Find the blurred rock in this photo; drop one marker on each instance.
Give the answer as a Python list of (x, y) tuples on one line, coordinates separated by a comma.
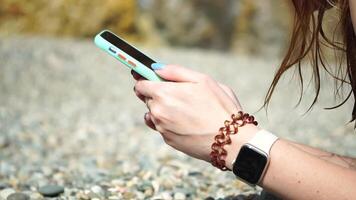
[(268, 196), (67, 17), (243, 26), (262, 27), (18, 196), (196, 23), (6, 193), (51, 190), (240, 25)]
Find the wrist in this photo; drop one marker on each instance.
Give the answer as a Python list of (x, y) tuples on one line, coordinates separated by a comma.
[(240, 123), (245, 133)]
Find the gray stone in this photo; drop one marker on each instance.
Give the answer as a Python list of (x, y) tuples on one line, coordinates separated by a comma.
[(179, 196), (267, 196), (114, 198), (5, 193), (4, 142), (36, 196), (4, 185), (51, 190), (18, 196), (97, 190), (144, 186)]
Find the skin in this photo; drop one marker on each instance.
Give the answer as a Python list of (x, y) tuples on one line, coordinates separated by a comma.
[(353, 12), (296, 171)]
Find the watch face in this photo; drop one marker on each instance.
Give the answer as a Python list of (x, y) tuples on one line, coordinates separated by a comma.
[(249, 164)]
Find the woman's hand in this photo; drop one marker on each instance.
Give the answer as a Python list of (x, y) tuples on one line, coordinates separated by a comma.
[(149, 122), (188, 109)]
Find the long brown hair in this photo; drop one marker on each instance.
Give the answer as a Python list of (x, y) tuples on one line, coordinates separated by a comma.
[(308, 40)]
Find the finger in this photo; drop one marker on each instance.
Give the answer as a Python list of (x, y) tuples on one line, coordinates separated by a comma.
[(148, 102), (149, 122), (146, 88), (140, 96), (136, 76), (177, 73)]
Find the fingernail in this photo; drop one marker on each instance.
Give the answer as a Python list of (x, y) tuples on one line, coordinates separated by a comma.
[(145, 117), (157, 66)]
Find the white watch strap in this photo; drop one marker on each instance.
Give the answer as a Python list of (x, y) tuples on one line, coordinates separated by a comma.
[(263, 140)]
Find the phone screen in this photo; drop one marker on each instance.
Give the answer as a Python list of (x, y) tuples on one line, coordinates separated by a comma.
[(132, 51)]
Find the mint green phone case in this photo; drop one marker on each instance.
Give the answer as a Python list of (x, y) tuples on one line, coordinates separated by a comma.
[(130, 62)]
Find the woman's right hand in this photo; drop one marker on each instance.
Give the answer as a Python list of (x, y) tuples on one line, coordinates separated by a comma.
[(226, 89), (188, 109)]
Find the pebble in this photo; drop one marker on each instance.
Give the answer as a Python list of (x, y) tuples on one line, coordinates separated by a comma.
[(47, 171), (82, 196), (267, 196), (4, 185), (144, 186), (128, 195), (36, 196), (4, 142), (114, 197), (155, 185), (209, 198), (97, 190), (5, 193), (118, 182), (179, 196), (149, 192), (166, 196), (140, 195), (18, 196), (51, 190), (93, 195), (195, 173)]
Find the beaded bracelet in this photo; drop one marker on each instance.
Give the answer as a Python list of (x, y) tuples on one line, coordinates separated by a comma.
[(218, 153)]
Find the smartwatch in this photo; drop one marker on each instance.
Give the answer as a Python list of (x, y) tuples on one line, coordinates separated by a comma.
[(252, 160)]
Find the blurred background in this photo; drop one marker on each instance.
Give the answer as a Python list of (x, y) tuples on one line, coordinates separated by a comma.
[(227, 25), (71, 124)]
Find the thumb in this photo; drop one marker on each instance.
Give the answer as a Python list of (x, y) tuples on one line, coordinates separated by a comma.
[(176, 73)]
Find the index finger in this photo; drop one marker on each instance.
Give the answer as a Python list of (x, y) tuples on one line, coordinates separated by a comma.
[(136, 76), (146, 88)]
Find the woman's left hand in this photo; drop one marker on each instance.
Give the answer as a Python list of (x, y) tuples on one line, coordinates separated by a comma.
[(187, 110)]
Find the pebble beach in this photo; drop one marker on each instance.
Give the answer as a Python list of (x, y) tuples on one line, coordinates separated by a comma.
[(72, 128)]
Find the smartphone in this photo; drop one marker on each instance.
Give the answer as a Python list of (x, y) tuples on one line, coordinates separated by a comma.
[(126, 54)]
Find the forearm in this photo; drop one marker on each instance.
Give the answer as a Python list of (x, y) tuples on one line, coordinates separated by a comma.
[(327, 156), (294, 173)]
